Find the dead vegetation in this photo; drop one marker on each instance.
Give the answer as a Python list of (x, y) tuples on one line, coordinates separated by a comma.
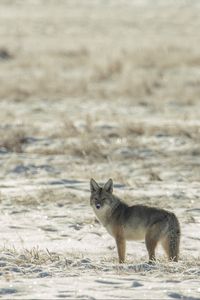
[(44, 196), (135, 75), (94, 143), (33, 256), (12, 139), (91, 142), (187, 269)]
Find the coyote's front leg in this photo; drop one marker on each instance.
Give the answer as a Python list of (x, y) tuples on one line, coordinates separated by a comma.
[(121, 244)]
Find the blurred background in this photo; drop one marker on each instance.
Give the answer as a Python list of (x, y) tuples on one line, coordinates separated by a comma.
[(99, 81)]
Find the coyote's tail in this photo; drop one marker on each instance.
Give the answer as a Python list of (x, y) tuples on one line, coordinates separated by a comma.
[(174, 233)]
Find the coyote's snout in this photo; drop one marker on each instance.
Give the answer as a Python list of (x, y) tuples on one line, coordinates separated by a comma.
[(135, 222)]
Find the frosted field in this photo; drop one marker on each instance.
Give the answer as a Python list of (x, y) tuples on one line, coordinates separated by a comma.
[(97, 89)]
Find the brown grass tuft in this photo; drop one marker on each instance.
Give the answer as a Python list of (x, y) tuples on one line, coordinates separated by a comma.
[(108, 70), (12, 139)]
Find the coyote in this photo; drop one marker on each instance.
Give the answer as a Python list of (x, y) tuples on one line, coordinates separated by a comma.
[(135, 222)]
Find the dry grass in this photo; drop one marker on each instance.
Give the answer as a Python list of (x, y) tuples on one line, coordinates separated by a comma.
[(187, 268), (92, 140), (137, 71), (92, 143), (165, 129), (44, 197), (12, 139), (108, 71), (33, 256), (136, 75)]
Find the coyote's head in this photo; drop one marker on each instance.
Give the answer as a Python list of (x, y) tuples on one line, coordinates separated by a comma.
[(101, 196)]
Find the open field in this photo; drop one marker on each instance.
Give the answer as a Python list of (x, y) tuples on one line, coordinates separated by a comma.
[(93, 88)]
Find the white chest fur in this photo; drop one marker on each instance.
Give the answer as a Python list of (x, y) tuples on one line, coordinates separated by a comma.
[(102, 213)]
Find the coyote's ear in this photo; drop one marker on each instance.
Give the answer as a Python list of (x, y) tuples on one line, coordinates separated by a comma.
[(93, 185), (108, 186)]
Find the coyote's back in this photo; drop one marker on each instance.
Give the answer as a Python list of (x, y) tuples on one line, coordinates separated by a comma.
[(135, 222)]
